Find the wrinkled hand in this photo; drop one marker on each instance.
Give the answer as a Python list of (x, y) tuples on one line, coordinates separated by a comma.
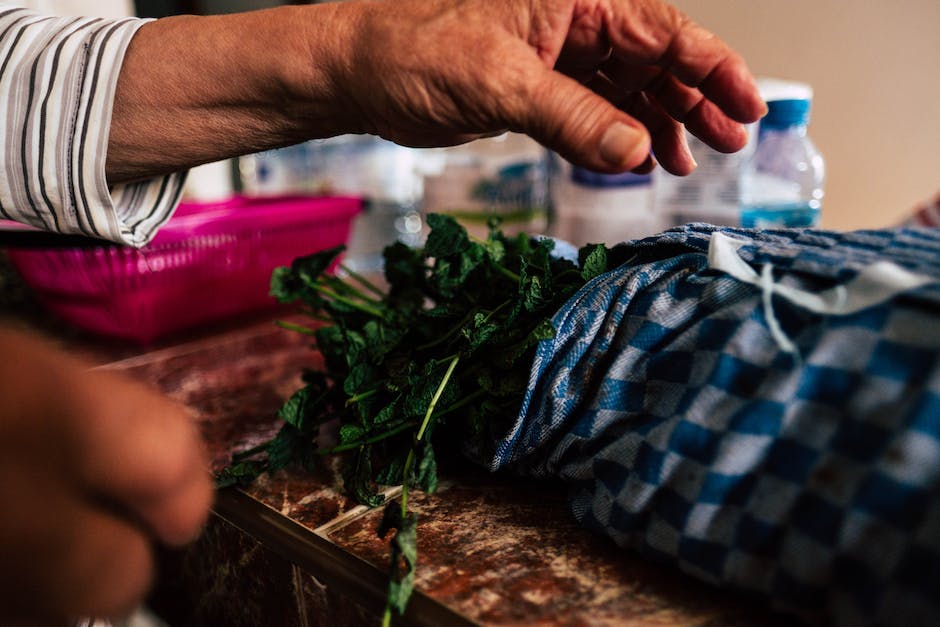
[(93, 469), (602, 82), (599, 81)]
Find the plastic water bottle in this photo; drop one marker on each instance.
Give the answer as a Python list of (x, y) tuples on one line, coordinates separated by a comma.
[(782, 182), (711, 193), (594, 208)]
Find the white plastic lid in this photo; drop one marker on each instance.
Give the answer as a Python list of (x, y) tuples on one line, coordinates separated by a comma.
[(772, 89)]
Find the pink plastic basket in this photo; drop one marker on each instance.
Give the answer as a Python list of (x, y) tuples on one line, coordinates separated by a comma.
[(208, 262)]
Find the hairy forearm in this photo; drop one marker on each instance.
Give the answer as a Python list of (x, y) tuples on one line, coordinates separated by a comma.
[(197, 89)]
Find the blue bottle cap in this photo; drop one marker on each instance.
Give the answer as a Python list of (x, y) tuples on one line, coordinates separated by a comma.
[(786, 113), (589, 178)]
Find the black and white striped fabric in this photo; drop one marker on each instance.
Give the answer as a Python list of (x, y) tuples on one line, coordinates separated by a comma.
[(57, 82)]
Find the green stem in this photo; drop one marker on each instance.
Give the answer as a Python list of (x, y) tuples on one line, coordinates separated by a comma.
[(372, 440), (466, 400), (290, 326), (366, 283), (347, 301), (469, 398), (443, 338), (254, 450), (506, 272), (437, 396), (558, 279), (495, 311), (355, 398), (316, 314), (346, 288), (410, 460)]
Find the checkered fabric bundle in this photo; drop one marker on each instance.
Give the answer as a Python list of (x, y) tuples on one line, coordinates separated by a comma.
[(757, 444)]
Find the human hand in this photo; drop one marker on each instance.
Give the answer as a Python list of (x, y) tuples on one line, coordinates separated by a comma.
[(602, 82), (93, 469), (599, 81)]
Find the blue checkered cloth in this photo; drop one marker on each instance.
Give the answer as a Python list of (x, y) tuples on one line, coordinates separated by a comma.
[(685, 429)]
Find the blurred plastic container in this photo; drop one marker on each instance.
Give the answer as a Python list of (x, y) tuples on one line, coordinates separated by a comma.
[(388, 178), (593, 208), (208, 262), (504, 177)]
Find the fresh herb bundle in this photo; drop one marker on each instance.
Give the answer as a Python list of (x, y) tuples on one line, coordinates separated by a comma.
[(440, 359)]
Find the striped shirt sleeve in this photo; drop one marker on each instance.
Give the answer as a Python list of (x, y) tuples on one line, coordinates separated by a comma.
[(57, 82)]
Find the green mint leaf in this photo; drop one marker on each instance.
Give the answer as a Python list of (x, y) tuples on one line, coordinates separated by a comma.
[(387, 413), (593, 261), (544, 330), (309, 268), (240, 475), (403, 550), (447, 237), (404, 268), (350, 433), (503, 383), (358, 479), (294, 411), (423, 388), (496, 250), (361, 377), (452, 273), (291, 446), (391, 519), (392, 475), (426, 471), (285, 286)]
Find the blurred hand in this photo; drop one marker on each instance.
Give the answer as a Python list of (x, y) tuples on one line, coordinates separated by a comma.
[(93, 469), (599, 81)]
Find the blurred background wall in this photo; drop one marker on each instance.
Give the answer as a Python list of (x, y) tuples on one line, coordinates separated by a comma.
[(875, 67)]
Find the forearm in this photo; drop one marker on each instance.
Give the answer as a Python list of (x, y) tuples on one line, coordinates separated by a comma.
[(197, 89)]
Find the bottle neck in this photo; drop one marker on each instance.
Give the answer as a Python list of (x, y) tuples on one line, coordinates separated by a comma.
[(792, 129)]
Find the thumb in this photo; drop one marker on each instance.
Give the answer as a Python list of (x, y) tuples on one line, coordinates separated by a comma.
[(580, 125)]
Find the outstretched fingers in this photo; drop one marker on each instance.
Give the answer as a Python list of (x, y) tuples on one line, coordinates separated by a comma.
[(702, 117), (582, 126), (651, 32), (667, 137)]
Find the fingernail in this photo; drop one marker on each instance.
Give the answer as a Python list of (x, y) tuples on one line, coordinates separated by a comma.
[(619, 143)]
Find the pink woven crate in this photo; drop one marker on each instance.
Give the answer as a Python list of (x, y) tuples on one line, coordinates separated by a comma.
[(208, 262)]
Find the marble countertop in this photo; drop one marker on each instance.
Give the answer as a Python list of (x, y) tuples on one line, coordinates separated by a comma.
[(493, 550)]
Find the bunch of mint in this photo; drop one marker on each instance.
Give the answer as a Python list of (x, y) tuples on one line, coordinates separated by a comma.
[(439, 359)]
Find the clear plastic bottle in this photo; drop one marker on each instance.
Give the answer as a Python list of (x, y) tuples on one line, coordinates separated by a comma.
[(594, 208), (782, 182), (711, 193)]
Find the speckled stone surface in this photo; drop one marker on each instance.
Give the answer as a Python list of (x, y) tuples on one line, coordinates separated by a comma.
[(293, 550), (509, 553)]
